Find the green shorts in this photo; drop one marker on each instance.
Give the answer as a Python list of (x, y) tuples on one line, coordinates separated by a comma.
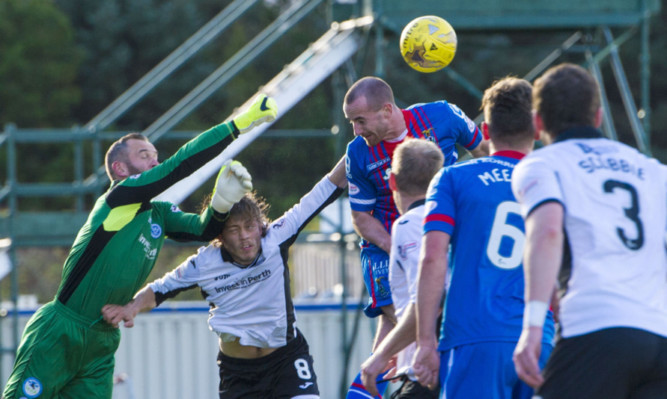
[(63, 355)]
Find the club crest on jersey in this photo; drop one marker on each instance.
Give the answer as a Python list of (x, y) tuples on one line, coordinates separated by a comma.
[(428, 134), (32, 388), (156, 230)]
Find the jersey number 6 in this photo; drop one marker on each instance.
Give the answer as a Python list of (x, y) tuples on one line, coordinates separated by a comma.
[(501, 229)]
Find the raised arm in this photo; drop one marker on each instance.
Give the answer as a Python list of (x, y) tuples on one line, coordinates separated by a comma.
[(337, 174), (143, 301), (191, 156)]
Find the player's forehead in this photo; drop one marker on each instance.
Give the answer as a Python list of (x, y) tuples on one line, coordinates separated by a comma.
[(136, 146), (358, 108)]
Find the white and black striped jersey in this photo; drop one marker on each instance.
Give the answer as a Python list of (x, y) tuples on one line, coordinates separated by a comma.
[(615, 217), (253, 303)]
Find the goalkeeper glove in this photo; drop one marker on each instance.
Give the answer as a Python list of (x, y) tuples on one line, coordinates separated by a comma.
[(264, 109), (232, 184)]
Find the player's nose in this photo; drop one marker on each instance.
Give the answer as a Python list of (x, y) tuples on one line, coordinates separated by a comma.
[(357, 130)]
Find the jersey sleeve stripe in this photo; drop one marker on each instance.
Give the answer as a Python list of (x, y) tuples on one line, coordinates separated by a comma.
[(439, 218), (362, 201), (474, 138)]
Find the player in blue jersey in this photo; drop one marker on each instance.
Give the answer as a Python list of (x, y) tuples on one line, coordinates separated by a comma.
[(471, 206), (379, 126)]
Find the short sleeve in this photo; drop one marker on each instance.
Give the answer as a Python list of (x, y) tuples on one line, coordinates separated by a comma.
[(534, 183), (362, 192), (440, 212), (469, 135)]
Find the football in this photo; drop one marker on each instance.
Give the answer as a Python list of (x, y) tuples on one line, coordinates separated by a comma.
[(428, 43)]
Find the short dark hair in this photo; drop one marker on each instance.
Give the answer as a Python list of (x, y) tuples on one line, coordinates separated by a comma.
[(251, 206), (566, 96), (118, 152), (377, 92), (414, 164), (507, 106)]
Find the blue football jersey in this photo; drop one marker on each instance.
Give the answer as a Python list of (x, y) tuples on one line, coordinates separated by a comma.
[(473, 203), (368, 168)]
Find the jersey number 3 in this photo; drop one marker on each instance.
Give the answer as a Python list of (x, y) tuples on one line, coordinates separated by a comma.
[(631, 213)]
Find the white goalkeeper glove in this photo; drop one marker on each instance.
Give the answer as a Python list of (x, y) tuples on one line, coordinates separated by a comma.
[(232, 184), (264, 109)]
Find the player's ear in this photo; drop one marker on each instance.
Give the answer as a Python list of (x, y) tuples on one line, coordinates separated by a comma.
[(598, 117), (387, 108), (538, 123), (485, 130), (119, 169), (392, 182)]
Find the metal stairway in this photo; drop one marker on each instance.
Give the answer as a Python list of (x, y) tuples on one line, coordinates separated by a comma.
[(291, 85)]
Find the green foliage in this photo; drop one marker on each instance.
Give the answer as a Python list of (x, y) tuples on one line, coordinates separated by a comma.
[(123, 40), (38, 64)]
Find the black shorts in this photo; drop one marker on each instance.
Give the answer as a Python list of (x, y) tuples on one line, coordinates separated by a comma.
[(414, 390), (285, 373), (614, 363)]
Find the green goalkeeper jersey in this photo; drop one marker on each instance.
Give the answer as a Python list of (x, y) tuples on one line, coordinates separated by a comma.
[(116, 249)]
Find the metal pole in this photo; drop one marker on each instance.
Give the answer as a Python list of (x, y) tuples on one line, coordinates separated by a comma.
[(339, 124), (10, 130), (626, 95), (607, 120), (173, 61), (645, 72)]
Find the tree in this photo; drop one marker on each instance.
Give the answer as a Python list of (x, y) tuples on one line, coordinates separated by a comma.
[(38, 64)]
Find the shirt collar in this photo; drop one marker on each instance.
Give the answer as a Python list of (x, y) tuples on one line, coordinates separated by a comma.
[(227, 257), (579, 132), (509, 154), (417, 203)]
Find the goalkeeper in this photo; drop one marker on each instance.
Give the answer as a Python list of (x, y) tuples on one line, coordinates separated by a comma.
[(244, 274), (67, 349)]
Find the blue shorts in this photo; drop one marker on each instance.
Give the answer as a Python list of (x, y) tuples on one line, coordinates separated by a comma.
[(375, 270), (484, 370)]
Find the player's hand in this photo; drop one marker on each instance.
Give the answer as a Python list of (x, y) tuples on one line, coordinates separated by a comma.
[(114, 314), (233, 183), (264, 109), (526, 356), (371, 369), (426, 366)]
